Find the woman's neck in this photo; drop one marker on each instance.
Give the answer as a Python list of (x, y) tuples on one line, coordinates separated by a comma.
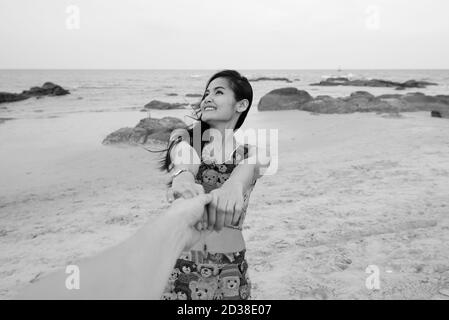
[(224, 131), (223, 139)]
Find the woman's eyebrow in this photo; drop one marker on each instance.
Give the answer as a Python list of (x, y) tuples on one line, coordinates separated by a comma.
[(217, 88)]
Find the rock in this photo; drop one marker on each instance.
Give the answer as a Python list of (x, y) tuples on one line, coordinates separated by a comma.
[(417, 84), (48, 89), (11, 97), (359, 101), (390, 96), (194, 95), (440, 114), (436, 114), (160, 105), (284, 99), (270, 79), (419, 101), (147, 129), (340, 81), (443, 98), (171, 94)]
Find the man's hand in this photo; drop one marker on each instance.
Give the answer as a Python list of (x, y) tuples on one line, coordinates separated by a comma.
[(189, 212), (184, 186)]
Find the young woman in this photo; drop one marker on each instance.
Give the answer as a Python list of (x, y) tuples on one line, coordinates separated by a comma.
[(215, 267)]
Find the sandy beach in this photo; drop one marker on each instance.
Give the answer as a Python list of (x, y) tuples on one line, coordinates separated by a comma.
[(351, 191)]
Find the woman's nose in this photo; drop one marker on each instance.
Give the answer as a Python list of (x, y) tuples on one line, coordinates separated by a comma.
[(207, 99)]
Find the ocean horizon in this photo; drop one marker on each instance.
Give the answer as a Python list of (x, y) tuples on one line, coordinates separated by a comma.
[(125, 89)]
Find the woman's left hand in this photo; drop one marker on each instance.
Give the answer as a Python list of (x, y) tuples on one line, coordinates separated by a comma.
[(226, 206)]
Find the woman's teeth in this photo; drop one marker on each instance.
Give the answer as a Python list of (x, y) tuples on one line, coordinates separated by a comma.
[(209, 108)]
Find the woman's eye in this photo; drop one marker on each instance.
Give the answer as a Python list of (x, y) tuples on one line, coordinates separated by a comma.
[(219, 92)]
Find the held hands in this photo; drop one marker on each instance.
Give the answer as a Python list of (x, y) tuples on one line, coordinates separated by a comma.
[(224, 209), (188, 212), (184, 186)]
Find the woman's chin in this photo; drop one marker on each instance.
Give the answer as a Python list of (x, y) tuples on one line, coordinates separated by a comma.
[(207, 117)]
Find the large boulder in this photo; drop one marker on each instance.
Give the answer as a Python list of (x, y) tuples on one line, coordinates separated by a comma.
[(359, 101), (420, 101), (440, 114), (147, 130), (48, 89), (160, 105), (284, 99)]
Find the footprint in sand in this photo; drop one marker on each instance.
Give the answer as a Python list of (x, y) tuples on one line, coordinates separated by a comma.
[(262, 267), (342, 262), (281, 244)]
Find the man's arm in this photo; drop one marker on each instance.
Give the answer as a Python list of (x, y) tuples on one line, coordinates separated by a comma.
[(136, 269)]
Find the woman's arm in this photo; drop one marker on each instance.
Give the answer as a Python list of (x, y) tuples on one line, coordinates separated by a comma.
[(183, 156), (136, 269), (226, 206)]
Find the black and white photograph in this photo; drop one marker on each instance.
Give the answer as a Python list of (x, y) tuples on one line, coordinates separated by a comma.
[(236, 150)]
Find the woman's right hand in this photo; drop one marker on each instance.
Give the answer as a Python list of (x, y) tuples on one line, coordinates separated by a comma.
[(184, 186)]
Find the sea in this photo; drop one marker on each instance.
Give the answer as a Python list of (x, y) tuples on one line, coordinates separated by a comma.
[(130, 90)]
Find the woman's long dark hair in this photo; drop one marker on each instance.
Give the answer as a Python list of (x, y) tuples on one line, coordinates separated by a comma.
[(242, 90)]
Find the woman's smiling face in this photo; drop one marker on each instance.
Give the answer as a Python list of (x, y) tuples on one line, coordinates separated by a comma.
[(219, 102)]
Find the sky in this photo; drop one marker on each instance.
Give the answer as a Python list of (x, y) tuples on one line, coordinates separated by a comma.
[(217, 34)]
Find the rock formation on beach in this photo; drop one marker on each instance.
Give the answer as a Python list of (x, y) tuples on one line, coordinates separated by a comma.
[(160, 105), (341, 81), (440, 114), (271, 79), (284, 99), (194, 95), (48, 89), (360, 101), (146, 130)]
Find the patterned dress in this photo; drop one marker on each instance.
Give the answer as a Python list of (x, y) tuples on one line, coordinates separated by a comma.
[(203, 275)]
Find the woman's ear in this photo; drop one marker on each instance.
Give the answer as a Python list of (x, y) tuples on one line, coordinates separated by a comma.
[(242, 105)]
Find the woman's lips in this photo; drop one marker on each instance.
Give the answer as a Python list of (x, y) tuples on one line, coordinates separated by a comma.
[(209, 108)]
